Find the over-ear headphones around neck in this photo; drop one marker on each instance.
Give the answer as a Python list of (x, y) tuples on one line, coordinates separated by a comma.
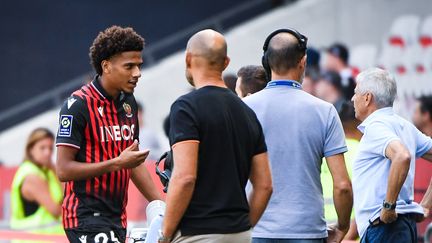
[(165, 175), (302, 46)]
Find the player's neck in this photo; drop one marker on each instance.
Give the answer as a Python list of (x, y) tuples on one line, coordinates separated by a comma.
[(105, 83)]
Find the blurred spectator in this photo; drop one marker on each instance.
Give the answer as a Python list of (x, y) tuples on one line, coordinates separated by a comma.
[(36, 193), (352, 139), (423, 115), (230, 80), (422, 119), (329, 88), (310, 80), (337, 60), (313, 58), (251, 79), (147, 138)]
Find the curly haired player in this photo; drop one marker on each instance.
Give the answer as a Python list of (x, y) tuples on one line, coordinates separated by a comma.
[(97, 142)]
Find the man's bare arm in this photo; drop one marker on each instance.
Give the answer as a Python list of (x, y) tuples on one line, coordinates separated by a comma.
[(400, 163), (426, 202), (144, 182), (342, 190), (182, 184), (261, 180)]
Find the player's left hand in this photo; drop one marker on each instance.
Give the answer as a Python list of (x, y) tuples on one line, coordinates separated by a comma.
[(388, 216)]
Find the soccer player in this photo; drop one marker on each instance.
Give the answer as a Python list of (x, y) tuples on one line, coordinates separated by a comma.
[(97, 142)]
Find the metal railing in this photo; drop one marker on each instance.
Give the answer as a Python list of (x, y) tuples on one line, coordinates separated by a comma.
[(55, 96)]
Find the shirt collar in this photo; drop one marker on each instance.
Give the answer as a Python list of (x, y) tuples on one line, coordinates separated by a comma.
[(287, 83), (375, 116), (101, 91)]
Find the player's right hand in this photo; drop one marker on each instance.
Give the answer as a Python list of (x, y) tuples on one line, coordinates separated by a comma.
[(131, 157)]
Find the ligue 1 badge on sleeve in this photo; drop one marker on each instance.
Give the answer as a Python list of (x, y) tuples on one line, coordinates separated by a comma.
[(65, 129), (128, 110)]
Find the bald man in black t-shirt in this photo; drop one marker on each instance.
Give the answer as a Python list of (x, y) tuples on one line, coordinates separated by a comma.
[(218, 145)]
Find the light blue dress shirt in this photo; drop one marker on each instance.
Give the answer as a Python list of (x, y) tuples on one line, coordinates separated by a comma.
[(371, 167)]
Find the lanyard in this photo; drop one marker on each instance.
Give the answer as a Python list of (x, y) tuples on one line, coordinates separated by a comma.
[(289, 83)]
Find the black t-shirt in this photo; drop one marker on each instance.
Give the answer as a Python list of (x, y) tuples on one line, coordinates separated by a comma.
[(230, 135), (99, 127)]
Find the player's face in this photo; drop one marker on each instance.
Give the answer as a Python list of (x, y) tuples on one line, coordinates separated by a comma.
[(42, 151), (125, 70)]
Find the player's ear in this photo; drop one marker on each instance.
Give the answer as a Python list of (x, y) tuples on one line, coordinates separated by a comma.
[(106, 66), (188, 59), (226, 62), (303, 62)]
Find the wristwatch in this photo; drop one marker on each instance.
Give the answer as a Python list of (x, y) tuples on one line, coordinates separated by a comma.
[(389, 206), (163, 238)]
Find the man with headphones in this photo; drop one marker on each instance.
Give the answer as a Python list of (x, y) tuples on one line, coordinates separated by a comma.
[(299, 130)]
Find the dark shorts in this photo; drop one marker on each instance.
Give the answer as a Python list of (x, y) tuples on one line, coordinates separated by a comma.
[(96, 235), (403, 230)]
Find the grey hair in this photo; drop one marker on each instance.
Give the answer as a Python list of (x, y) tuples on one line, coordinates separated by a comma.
[(380, 83)]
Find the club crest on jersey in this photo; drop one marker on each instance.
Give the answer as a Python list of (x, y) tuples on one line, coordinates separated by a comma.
[(65, 129), (128, 110)]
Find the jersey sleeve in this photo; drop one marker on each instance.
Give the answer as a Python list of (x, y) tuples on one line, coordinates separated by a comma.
[(334, 136), (183, 123), (72, 122)]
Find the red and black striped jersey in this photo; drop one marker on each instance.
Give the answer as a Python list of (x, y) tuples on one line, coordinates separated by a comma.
[(99, 127)]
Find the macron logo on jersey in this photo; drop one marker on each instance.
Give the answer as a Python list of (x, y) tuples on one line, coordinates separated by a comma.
[(70, 102), (83, 238), (100, 109), (117, 133)]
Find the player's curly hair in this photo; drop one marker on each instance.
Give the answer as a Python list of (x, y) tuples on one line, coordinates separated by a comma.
[(112, 41)]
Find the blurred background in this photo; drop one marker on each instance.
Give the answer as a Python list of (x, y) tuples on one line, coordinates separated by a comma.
[(44, 57)]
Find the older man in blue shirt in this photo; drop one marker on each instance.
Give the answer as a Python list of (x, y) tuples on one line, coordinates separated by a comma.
[(383, 172)]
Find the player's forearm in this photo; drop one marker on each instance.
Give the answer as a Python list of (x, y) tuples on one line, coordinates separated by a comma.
[(427, 198), (143, 181), (178, 198), (343, 201), (258, 200), (398, 172), (74, 170)]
